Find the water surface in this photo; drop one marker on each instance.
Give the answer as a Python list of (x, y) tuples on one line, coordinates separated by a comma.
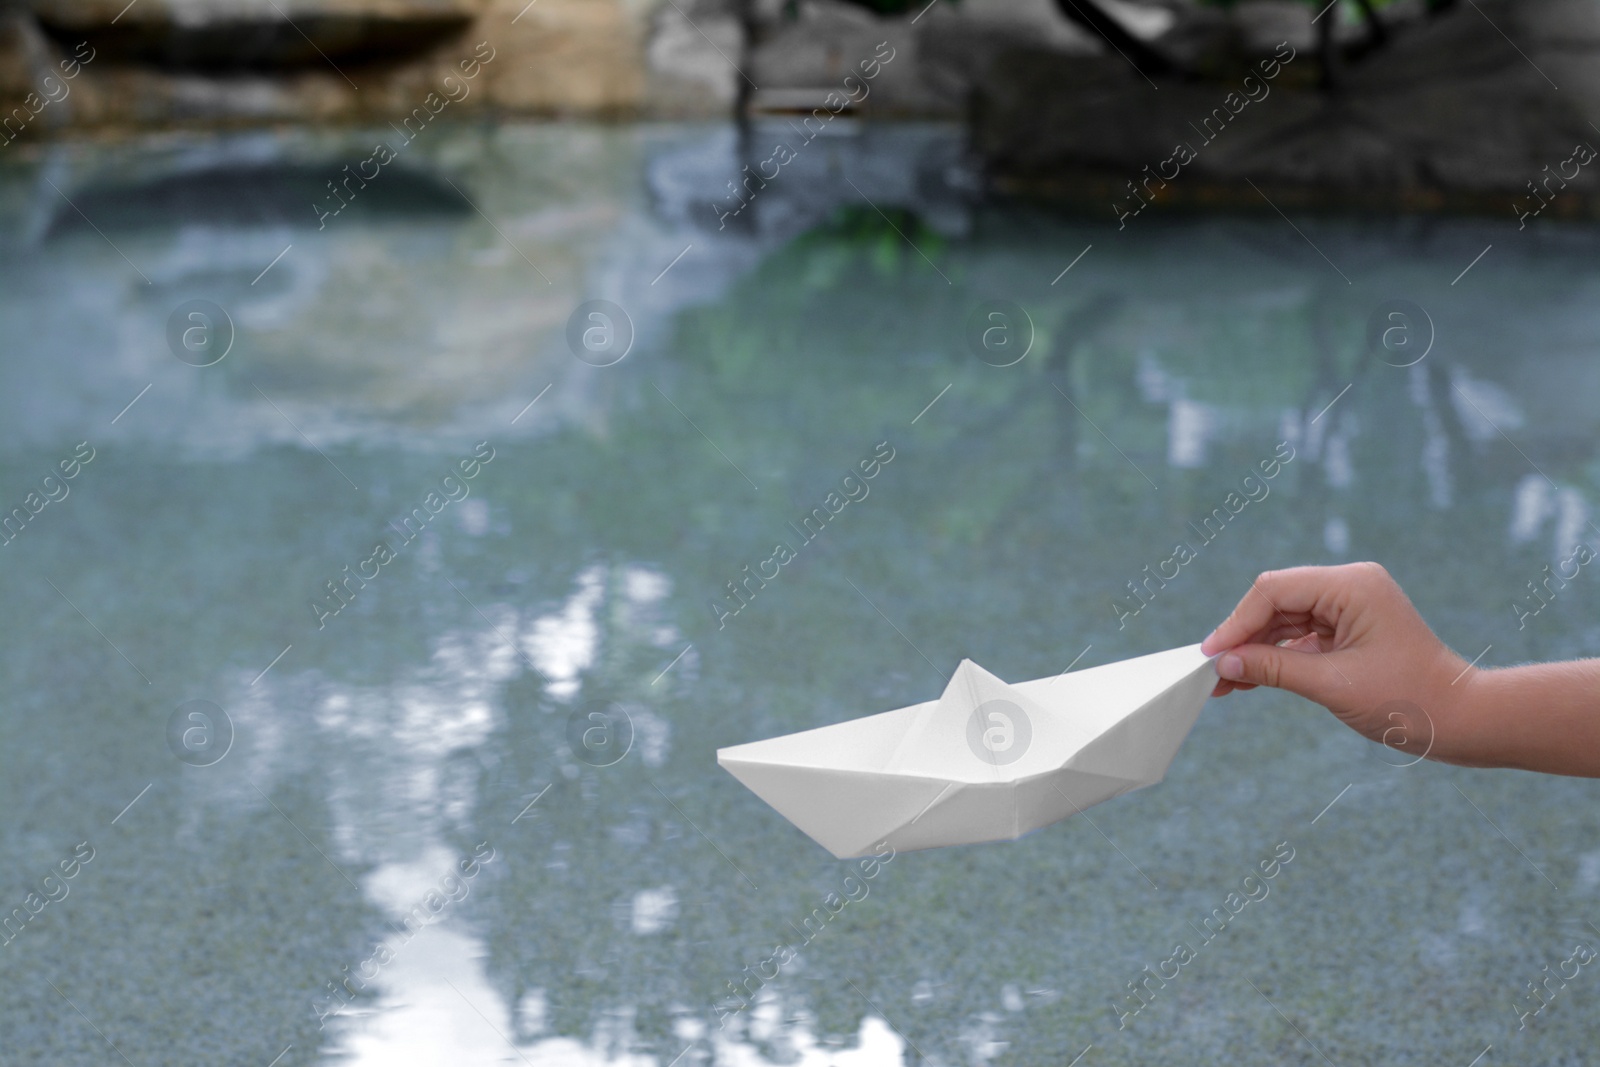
[(437, 719)]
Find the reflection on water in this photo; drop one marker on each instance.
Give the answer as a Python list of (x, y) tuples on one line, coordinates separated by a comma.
[(250, 195), (541, 674)]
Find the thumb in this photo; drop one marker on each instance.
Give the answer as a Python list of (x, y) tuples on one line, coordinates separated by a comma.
[(1307, 674)]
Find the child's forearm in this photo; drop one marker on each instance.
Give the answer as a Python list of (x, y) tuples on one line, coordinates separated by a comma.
[(1541, 717)]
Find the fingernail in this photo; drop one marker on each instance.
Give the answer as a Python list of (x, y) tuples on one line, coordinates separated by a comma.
[(1231, 667)]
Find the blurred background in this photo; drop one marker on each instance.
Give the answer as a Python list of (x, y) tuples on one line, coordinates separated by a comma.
[(574, 307)]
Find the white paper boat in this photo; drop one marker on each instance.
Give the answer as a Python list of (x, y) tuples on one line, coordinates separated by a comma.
[(987, 761)]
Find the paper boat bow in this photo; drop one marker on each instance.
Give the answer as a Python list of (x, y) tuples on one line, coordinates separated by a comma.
[(987, 761)]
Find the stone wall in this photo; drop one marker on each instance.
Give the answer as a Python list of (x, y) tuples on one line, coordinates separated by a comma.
[(161, 63), (1458, 110), (155, 67)]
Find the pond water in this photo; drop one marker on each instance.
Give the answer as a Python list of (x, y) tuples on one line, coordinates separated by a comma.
[(399, 783)]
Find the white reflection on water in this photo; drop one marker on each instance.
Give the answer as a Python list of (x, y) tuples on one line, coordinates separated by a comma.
[(428, 1010), (391, 753), (1572, 517), (563, 644), (654, 910), (876, 1043), (1189, 423), (1336, 536), (1589, 870), (1535, 502), (1336, 459), (1485, 409), (1435, 459), (435, 1006)]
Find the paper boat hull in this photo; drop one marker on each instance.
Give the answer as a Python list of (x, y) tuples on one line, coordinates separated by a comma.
[(846, 812), (973, 814), (853, 785)]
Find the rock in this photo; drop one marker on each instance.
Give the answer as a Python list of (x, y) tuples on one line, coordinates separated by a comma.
[(957, 46), (691, 61), (238, 35), (234, 46), (565, 57), (1449, 114), (1263, 23), (166, 62), (798, 62)]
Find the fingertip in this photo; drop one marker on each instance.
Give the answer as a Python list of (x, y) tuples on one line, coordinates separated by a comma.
[(1227, 634)]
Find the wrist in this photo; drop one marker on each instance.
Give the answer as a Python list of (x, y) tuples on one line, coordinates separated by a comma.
[(1482, 724), (1464, 728)]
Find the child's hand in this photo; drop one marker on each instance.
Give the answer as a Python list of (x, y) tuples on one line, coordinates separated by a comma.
[(1352, 642)]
